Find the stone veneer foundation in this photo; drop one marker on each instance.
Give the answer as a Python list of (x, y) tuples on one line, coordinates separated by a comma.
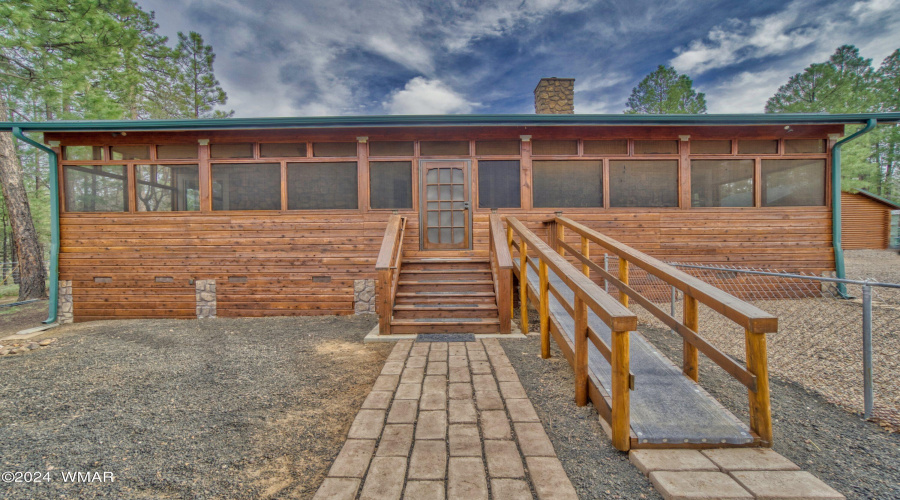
[(364, 296), (65, 313), (206, 298)]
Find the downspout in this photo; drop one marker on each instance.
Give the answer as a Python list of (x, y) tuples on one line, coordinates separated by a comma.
[(836, 204), (54, 223)]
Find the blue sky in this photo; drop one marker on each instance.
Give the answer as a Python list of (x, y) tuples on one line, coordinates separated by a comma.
[(346, 57)]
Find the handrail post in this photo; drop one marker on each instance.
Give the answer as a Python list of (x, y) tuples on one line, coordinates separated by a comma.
[(586, 251), (621, 396), (384, 313), (690, 364), (623, 277), (560, 238), (760, 409), (512, 291), (581, 352), (523, 286), (544, 309)]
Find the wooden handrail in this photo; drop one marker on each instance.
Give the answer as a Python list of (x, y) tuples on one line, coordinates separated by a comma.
[(501, 272), (588, 295), (387, 265), (755, 322), (746, 315)]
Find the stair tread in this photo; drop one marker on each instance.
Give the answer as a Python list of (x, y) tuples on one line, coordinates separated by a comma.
[(439, 260), (445, 294), (448, 281), (446, 271), (416, 307), (419, 321)]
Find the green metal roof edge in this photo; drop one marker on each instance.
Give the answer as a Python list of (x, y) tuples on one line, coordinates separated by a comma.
[(875, 197), (447, 120)]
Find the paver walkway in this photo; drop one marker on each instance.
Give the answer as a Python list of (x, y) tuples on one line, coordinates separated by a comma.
[(447, 420)]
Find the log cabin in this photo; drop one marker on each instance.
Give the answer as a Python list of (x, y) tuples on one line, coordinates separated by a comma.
[(868, 221), (287, 216)]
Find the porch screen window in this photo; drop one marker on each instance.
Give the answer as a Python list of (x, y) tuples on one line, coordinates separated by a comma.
[(322, 186), (246, 186), (577, 183), (167, 188), (647, 183), (99, 188), (177, 152), (498, 184), (283, 150), (801, 146), (609, 147), (84, 153), (334, 149), (713, 147), (391, 148), (551, 148), (793, 183), (655, 148), (757, 147), (240, 150), (722, 183), (390, 184), (130, 152), (444, 148), (497, 148)]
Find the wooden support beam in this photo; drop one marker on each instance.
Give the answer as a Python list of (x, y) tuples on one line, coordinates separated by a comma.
[(760, 406), (586, 251), (581, 352), (523, 286), (691, 357), (621, 396), (623, 277), (512, 304), (544, 309)]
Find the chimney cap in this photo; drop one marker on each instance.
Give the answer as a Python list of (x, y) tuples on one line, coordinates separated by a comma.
[(545, 80)]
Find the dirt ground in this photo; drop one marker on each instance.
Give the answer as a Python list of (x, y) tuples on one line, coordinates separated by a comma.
[(221, 408), (17, 318)]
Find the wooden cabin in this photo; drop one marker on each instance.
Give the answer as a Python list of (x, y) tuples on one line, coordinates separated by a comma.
[(286, 216), (867, 221)]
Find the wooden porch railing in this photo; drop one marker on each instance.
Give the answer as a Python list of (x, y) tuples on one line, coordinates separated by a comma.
[(390, 258), (588, 295), (501, 271), (756, 322)]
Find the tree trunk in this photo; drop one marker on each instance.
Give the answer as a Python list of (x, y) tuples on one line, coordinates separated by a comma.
[(32, 281)]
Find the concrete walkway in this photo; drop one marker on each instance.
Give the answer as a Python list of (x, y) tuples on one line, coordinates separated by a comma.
[(447, 420)]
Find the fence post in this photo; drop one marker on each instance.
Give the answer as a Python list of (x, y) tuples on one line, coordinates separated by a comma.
[(523, 285), (512, 289), (690, 364), (672, 305), (869, 396), (544, 309), (586, 251), (760, 409), (581, 353), (606, 268), (623, 277), (621, 396)]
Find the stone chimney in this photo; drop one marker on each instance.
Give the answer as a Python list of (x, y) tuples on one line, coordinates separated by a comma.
[(555, 96)]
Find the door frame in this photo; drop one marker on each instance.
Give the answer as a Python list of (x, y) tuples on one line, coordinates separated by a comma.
[(423, 200)]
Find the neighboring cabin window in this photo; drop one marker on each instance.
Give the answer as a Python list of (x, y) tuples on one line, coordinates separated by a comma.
[(554, 148), (611, 147), (283, 150), (84, 153), (240, 150), (391, 148), (793, 183), (167, 188), (643, 183), (656, 147), (757, 147), (721, 183), (177, 152), (322, 186), (713, 147), (559, 184), (246, 186), (499, 184), (390, 184), (497, 148), (334, 149), (99, 188), (130, 153), (444, 148)]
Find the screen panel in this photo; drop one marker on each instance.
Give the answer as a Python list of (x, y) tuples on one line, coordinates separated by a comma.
[(610, 147), (793, 183), (246, 186), (391, 148), (506, 148), (711, 147), (84, 153), (804, 146), (130, 153), (334, 149), (223, 151), (722, 183), (322, 186), (177, 152), (444, 148), (757, 147), (656, 147), (282, 150), (167, 188), (643, 183), (499, 184), (96, 188), (554, 148), (567, 183), (390, 184)]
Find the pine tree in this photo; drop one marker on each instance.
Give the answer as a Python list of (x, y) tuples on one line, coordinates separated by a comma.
[(666, 92), (197, 87)]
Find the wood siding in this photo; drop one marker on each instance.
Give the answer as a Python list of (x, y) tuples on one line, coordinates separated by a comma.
[(865, 223)]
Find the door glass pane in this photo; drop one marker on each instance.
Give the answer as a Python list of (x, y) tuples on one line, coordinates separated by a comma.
[(445, 234), (433, 205), (445, 218), (457, 218), (459, 205), (432, 192), (445, 193), (445, 176), (432, 176), (458, 194), (433, 235), (433, 218), (445, 205), (458, 235), (457, 176)]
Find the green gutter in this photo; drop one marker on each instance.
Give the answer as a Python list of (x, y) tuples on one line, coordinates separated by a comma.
[(54, 223), (836, 204), (386, 121)]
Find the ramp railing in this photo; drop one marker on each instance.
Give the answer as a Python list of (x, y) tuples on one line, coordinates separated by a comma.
[(390, 258), (501, 273), (754, 321), (588, 295)]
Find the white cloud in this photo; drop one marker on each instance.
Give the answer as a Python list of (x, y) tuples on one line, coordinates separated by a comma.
[(746, 92), (421, 96)]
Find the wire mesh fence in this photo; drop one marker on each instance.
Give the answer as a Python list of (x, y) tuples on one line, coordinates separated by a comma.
[(819, 343), (9, 273)]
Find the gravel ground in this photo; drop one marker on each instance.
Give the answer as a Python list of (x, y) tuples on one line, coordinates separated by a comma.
[(881, 265), (597, 470), (222, 408)]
